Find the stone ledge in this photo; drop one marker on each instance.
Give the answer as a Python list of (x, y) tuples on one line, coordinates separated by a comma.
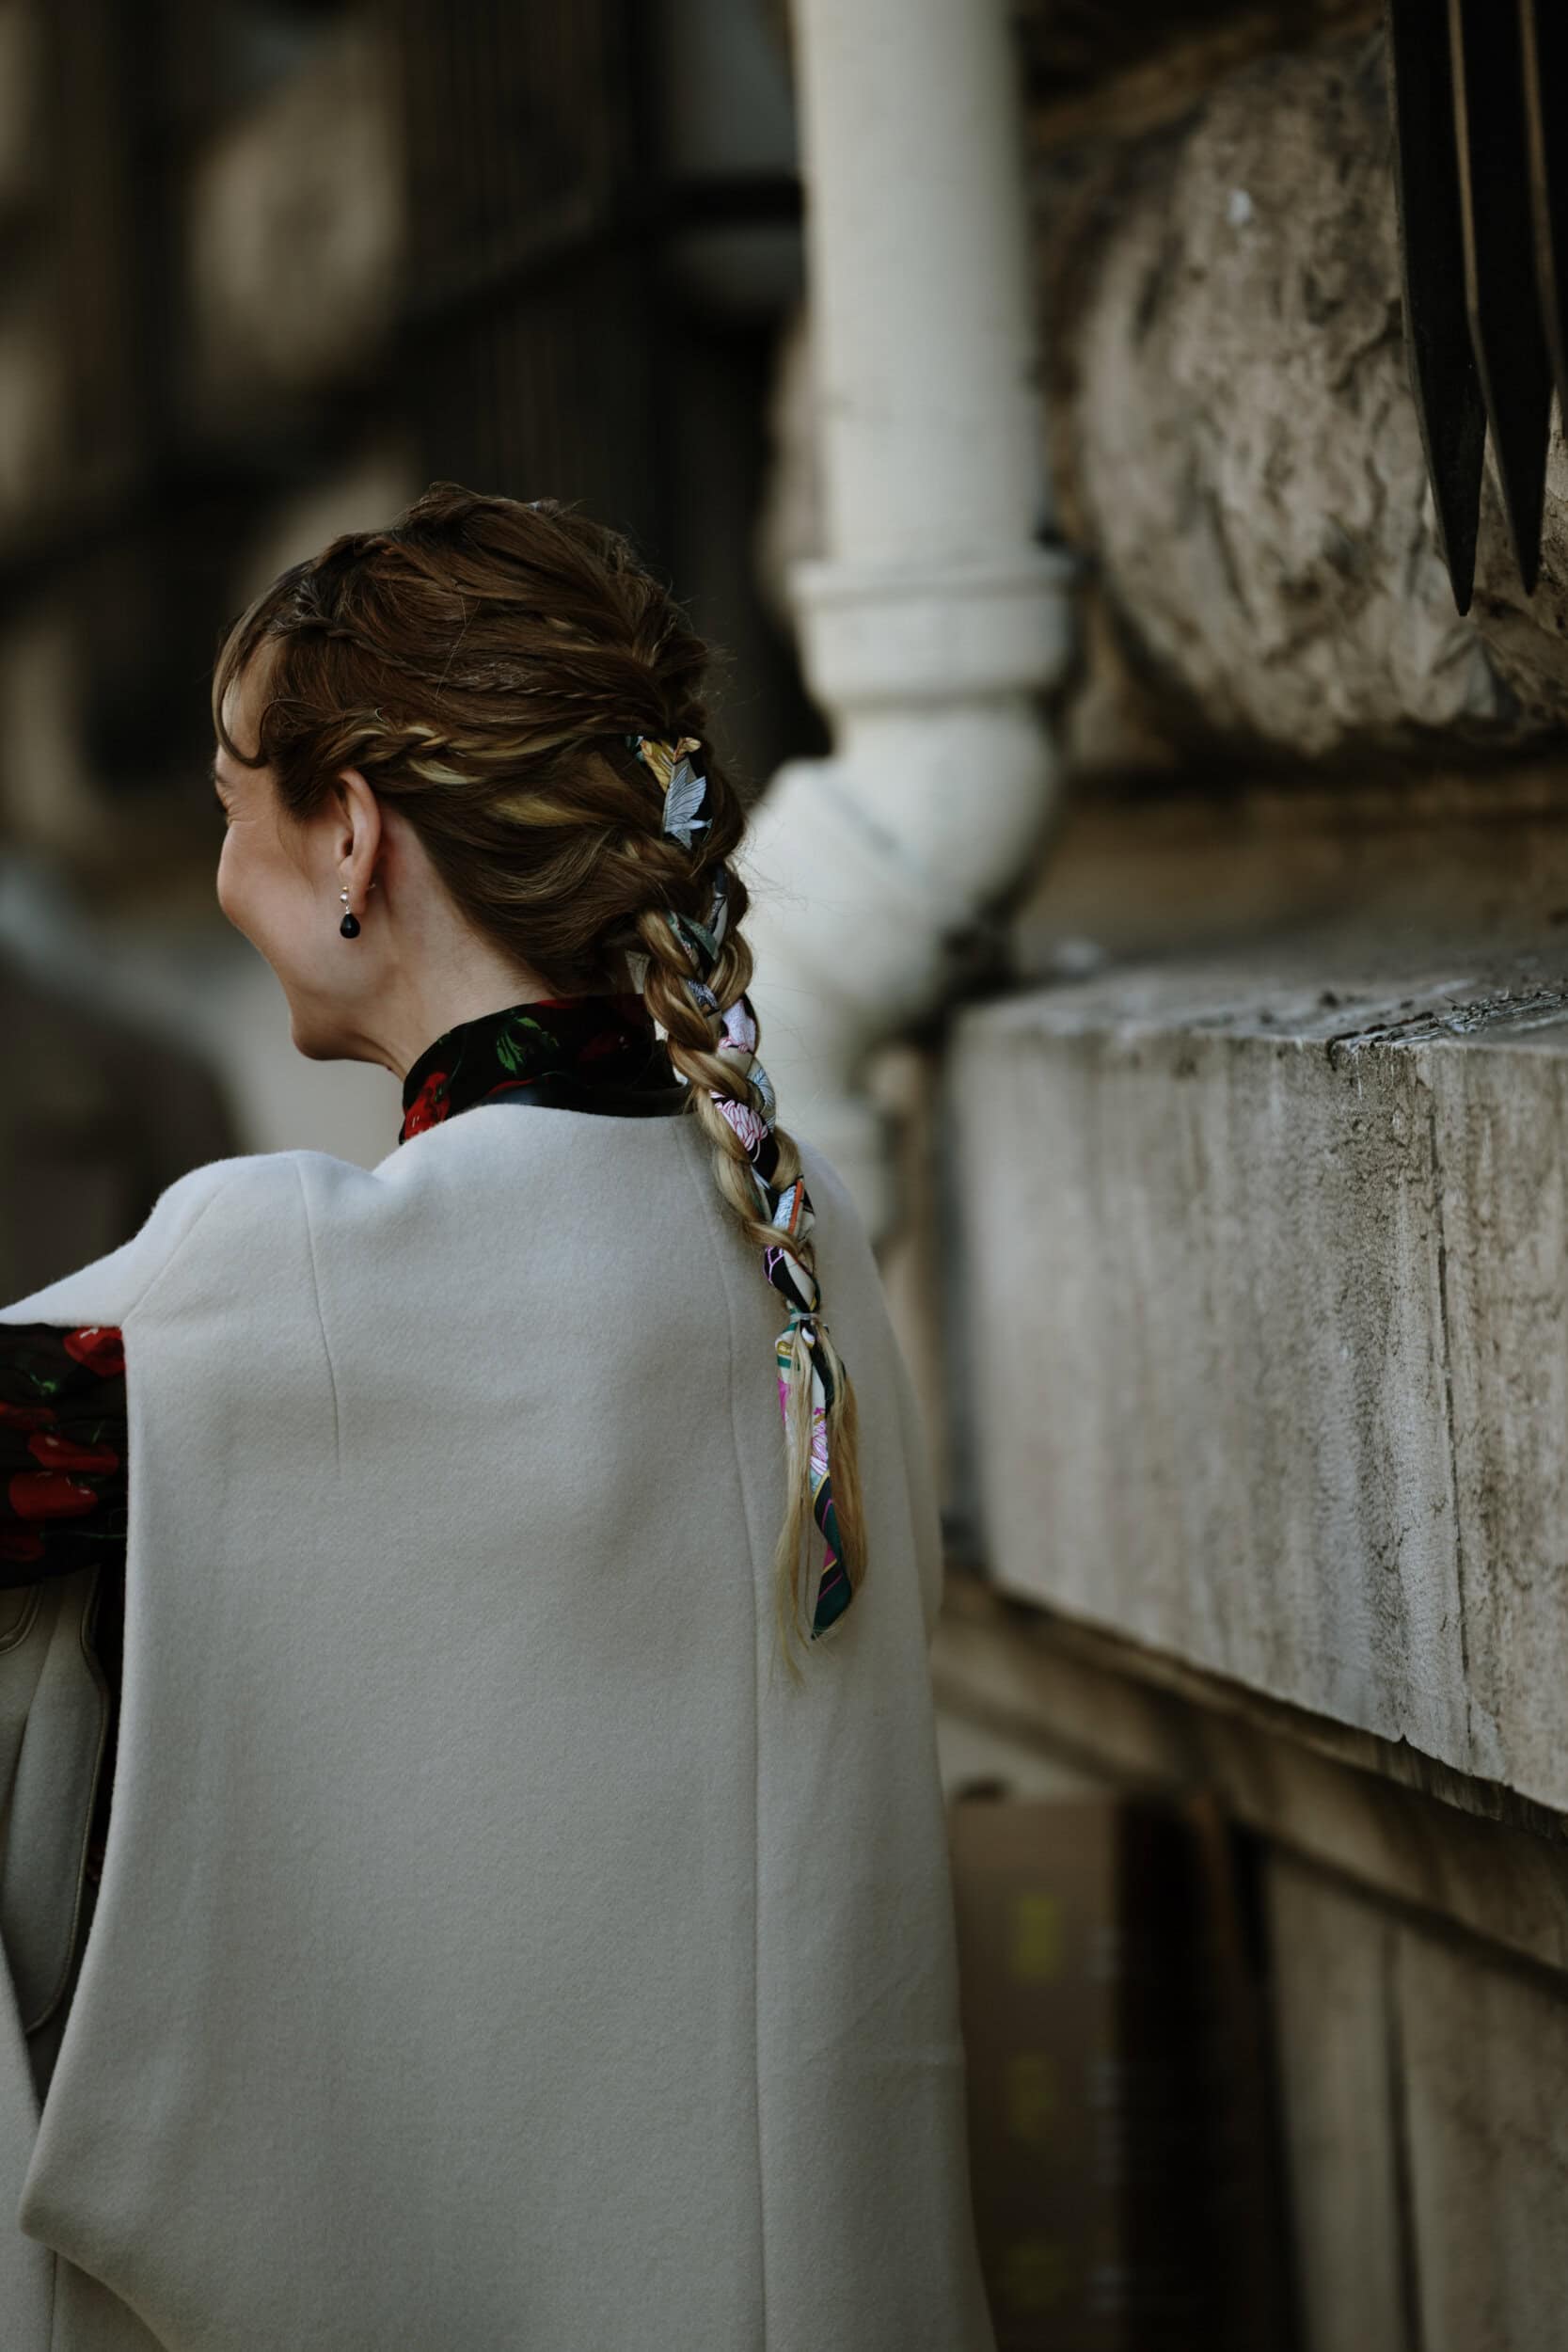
[(1270, 1329)]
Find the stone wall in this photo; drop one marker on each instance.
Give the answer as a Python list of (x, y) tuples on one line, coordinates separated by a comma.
[(1236, 1267)]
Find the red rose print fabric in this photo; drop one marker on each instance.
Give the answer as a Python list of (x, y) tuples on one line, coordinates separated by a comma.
[(62, 1448), (100, 1348), (63, 1489)]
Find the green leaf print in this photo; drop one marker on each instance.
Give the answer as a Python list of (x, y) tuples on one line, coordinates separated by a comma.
[(513, 1052)]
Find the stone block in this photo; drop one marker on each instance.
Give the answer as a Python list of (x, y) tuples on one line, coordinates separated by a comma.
[(1498, 1135), (1236, 445), (1270, 1353)]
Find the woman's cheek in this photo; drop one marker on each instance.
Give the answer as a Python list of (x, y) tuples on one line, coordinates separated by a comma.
[(220, 880), (230, 892)]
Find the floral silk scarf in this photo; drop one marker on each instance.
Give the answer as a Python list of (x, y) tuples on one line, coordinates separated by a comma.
[(580, 1053)]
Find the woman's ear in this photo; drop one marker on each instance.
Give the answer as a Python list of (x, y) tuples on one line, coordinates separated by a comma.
[(356, 836)]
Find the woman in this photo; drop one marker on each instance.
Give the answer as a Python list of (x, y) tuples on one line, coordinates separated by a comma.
[(524, 1916)]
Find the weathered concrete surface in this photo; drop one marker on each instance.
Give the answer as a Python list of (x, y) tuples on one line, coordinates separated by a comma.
[(1333, 1966), (1236, 446), (1269, 1333)]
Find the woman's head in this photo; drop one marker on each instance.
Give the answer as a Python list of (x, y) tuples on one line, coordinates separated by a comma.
[(441, 709), (435, 718)]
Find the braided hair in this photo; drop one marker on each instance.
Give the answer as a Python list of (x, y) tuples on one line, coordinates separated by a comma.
[(516, 681)]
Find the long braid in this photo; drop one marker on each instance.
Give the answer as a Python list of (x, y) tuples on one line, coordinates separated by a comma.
[(695, 985)]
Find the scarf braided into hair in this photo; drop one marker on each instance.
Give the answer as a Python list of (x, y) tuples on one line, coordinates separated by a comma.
[(787, 1208)]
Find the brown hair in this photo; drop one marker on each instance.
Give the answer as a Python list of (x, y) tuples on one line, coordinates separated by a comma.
[(481, 661)]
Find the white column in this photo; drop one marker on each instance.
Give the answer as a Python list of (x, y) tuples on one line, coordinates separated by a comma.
[(935, 619)]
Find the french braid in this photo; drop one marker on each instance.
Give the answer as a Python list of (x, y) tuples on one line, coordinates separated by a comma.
[(695, 983), (515, 682)]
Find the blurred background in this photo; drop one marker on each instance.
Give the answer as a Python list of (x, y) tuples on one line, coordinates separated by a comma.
[(1117, 452), (270, 268)]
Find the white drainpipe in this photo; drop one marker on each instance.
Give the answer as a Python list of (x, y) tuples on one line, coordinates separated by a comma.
[(935, 620)]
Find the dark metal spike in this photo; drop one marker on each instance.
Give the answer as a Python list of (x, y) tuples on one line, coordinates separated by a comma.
[(1501, 290), (1443, 375), (1543, 35)]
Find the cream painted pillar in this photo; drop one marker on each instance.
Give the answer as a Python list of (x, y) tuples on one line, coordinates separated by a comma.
[(936, 617)]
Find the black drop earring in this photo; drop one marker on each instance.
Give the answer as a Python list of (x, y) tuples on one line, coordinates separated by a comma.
[(350, 924)]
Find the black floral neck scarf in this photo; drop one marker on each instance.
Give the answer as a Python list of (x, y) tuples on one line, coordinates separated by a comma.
[(574, 1053)]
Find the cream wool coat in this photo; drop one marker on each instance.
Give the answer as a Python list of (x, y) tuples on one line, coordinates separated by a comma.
[(492, 1949)]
